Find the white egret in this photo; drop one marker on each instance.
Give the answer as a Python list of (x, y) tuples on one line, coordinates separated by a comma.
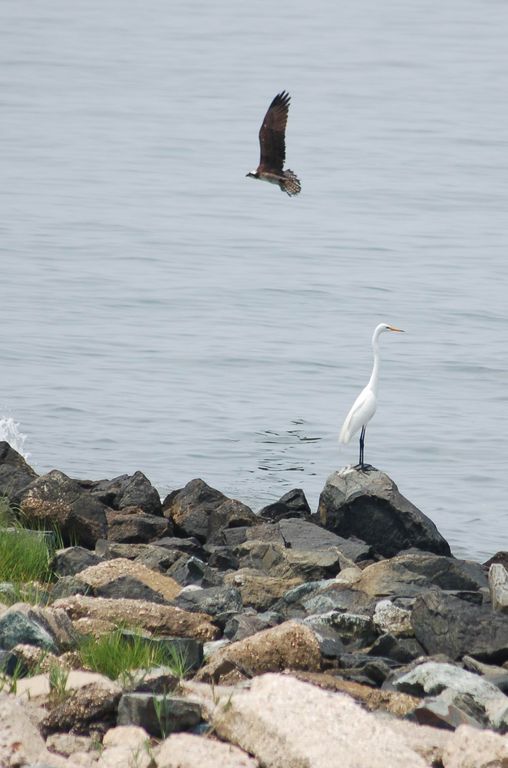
[(364, 407)]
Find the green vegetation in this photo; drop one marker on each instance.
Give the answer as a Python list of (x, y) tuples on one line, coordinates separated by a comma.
[(124, 654)]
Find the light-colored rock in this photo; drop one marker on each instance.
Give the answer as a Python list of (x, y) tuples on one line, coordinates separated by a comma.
[(183, 750), (99, 575), (20, 740), (38, 686), (258, 589), (285, 723), (67, 744), (125, 736), (433, 678), (136, 755), (470, 748), (290, 645), (159, 619), (349, 576), (426, 741), (498, 586), (392, 619)]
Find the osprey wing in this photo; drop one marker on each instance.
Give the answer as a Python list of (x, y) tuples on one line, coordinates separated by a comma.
[(272, 134)]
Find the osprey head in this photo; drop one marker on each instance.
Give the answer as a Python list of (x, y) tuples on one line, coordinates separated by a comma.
[(253, 174)]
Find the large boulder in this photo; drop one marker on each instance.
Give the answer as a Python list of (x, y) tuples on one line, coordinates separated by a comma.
[(15, 473), (128, 491), (292, 505), (408, 574), (201, 511), (46, 628), (446, 624), (368, 505), (55, 500), (133, 526)]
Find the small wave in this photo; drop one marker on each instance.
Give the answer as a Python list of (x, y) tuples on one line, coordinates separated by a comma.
[(11, 433)]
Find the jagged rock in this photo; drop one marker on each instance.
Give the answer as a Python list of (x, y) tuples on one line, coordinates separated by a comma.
[(277, 561), (292, 505), (133, 526), (498, 585), (189, 546), (307, 535), (221, 558), (499, 557), (334, 596), (160, 715), (400, 649), (407, 575), (123, 578), (365, 669), (201, 511), (187, 650), (258, 590), (128, 491), (270, 722), (368, 505), (353, 630), (9, 662), (288, 646), (245, 624), (192, 570), (391, 619), (290, 604), (215, 601), (47, 628), (498, 676), (15, 473), (67, 586), (450, 710), (154, 618), (156, 680), (444, 624), (433, 679), (92, 707), (55, 499), (185, 750), (73, 560), (470, 748)]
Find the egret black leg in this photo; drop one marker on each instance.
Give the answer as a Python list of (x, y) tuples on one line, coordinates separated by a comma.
[(362, 442)]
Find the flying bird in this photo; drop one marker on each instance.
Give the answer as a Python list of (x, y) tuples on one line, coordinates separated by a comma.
[(364, 407), (273, 148)]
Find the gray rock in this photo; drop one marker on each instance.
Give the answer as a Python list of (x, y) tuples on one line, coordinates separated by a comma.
[(201, 511), (128, 491), (128, 587), (444, 624), (132, 526), (66, 586), (450, 710), (302, 534), (335, 597), (278, 561), (192, 570), (156, 680), (215, 601), (248, 623), (159, 715), (72, 560), (21, 624), (365, 669), (400, 649), (221, 558), (353, 630), (431, 678), (368, 505), (10, 664), (15, 473), (55, 499), (292, 505), (189, 546), (290, 604), (498, 676)]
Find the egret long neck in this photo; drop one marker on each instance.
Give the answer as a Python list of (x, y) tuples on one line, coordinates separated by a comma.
[(374, 376)]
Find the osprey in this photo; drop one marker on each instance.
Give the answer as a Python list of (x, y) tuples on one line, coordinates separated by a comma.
[(273, 147)]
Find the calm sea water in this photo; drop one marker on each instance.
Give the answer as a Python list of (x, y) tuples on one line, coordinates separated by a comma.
[(159, 311)]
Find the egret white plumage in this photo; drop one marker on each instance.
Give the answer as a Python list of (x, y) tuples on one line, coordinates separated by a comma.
[(364, 407)]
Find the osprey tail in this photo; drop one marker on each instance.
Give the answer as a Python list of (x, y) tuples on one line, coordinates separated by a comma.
[(290, 183)]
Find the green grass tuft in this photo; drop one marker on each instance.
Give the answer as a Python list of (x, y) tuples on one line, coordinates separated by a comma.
[(121, 652)]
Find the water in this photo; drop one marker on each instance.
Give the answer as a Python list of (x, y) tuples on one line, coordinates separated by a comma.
[(159, 311)]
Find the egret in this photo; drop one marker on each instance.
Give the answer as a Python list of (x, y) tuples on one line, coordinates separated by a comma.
[(364, 407)]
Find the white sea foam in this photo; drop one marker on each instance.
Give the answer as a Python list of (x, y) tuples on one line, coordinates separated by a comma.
[(11, 433)]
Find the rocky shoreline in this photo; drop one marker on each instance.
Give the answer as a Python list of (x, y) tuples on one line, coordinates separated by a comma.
[(349, 637)]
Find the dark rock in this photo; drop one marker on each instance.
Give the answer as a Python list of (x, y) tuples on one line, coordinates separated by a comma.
[(156, 680), (444, 624), (400, 649), (201, 511), (248, 623), (279, 561), (132, 526), (365, 669), (66, 586), (449, 710), (128, 491), (90, 708), (368, 505), (334, 597), (159, 558), (292, 504), (159, 715), (128, 587), (15, 473), (353, 630), (498, 676), (215, 601), (19, 625), (68, 562), (192, 570), (290, 604), (55, 499), (222, 558), (187, 652), (259, 590), (500, 558), (190, 546), (11, 665)]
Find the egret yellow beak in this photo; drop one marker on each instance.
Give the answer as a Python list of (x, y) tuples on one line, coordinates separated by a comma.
[(398, 330)]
